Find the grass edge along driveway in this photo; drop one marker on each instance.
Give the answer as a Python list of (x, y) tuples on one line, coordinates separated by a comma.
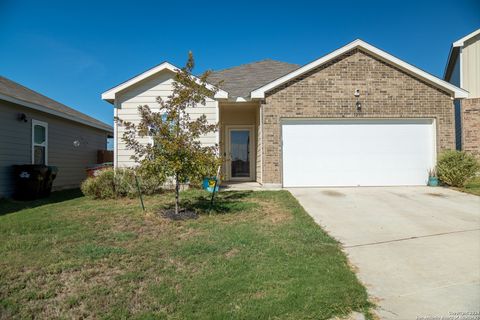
[(256, 255)]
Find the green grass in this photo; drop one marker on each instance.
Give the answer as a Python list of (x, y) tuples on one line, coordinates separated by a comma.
[(472, 186), (257, 255)]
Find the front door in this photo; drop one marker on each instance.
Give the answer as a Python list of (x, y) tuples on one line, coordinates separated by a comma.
[(240, 151)]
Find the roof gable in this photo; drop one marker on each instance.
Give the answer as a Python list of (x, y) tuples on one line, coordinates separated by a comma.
[(456, 92), (460, 42), (454, 53), (109, 95)]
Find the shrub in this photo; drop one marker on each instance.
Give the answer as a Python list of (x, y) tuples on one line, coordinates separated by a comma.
[(109, 185), (100, 187), (456, 167), (126, 185)]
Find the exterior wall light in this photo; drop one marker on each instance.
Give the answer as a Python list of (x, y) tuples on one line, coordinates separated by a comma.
[(358, 105), (22, 117)]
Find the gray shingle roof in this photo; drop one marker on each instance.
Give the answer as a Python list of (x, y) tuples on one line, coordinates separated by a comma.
[(15, 90), (240, 81)]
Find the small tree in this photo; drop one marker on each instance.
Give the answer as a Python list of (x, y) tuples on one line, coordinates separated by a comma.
[(175, 151)]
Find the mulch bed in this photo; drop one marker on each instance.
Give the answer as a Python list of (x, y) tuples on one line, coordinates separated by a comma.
[(183, 214)]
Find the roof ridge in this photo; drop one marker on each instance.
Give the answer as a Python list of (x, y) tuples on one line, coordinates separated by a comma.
[(252, 63)]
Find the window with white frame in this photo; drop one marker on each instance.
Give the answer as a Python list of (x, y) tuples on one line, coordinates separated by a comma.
[(152, 130), (39, 142)]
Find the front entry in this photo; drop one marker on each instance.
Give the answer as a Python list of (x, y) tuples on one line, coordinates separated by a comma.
[(240, 151)]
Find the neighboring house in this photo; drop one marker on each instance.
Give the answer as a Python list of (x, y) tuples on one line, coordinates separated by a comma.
[(35, 129), (463, 70), (357, 116)]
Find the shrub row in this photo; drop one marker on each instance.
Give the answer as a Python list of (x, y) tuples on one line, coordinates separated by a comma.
[(454, 168), (121, 183)]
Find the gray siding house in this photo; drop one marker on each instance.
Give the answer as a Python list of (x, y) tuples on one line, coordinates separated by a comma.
[(35, 129)]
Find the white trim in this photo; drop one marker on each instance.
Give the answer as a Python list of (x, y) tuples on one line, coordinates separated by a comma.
[(461, 42), (460, 66), (109, 95), (54, 112), (115, 138), (251, 129), (217, 115), (457, 92), (44, 144), (260, 133), (435, 141)]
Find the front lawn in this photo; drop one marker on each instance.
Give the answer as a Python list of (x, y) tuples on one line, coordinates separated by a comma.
[(257, 255), (472, 186)]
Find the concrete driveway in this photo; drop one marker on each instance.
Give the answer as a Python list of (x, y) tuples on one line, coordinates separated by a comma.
[(417, 249)]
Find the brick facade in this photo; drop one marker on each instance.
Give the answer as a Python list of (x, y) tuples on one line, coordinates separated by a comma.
[(471, 126), (328, 92)]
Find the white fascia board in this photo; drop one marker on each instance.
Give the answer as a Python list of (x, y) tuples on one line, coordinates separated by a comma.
[(41, 108), (109, 95), (460, 42), (220, 94), (457, 92)]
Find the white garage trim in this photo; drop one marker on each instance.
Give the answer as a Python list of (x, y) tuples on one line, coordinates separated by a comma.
[(357, 152)]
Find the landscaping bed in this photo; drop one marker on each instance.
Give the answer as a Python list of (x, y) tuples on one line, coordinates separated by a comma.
[(254, 255)]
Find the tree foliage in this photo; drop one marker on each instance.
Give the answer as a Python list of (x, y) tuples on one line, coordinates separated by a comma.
[(174, 150)]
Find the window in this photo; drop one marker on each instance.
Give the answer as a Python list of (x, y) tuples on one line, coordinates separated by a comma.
[(152, 129), (39, 142)]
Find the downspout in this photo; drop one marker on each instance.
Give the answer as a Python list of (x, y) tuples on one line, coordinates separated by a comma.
[(115, 136), (260, 136)]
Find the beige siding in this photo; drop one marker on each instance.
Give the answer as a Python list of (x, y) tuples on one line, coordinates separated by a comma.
[(146, 93), (16, 145), (471, 66)]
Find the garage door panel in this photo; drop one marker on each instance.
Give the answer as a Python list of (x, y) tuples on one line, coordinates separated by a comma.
[(357, 152)]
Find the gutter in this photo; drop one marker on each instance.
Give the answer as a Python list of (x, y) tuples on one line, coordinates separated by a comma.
[(41, 108)]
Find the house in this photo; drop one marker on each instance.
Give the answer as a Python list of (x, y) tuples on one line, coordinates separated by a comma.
[(357, 116), (463, 70), (35, 129)]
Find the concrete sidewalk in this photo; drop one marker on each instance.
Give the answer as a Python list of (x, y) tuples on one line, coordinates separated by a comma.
[(417, 249)]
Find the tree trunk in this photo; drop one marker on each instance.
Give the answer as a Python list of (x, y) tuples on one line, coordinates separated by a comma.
[(177, 195)]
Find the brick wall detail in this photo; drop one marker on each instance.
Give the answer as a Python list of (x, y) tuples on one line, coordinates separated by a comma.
[(471, 126), (328, 92)]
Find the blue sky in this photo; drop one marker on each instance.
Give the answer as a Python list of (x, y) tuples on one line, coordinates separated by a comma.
[(72, 51)]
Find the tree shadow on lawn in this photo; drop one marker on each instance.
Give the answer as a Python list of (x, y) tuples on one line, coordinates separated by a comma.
[(223, 203), (9, 205)]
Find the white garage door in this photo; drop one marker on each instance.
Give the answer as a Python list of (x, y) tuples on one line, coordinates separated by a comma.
[(357, 152)]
